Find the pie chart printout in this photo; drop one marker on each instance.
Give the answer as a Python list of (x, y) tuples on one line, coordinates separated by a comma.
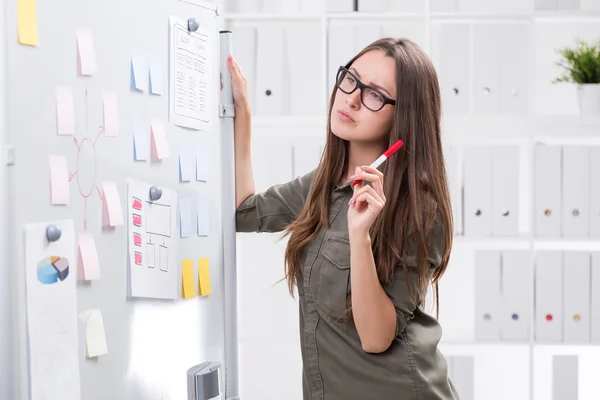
[(52, 270)]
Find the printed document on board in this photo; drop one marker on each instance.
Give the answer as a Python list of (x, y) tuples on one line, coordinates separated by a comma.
[(191, 63), (50, 275), (151, 238)]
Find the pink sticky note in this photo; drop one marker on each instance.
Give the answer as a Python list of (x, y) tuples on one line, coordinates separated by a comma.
[(86, 54), (111, 115), (160, 145), (89, 266), (111, 205), (65, 112), (59, 180)]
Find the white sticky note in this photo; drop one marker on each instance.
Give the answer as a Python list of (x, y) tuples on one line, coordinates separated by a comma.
[(160, 145), (185, 217), (111, 205), (186, 165), (89, 266), (111, 115), (86, 52), (202, 163), (156, 79), (202, 217), (139, 74), (65, 112), (140, 140), (59, 180), (95, 336)]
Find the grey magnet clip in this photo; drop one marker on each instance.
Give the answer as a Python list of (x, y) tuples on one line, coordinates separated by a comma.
[(53, 233), (155, 192), (193, 24)]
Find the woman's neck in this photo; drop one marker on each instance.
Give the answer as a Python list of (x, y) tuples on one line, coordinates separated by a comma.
[(359, 154)]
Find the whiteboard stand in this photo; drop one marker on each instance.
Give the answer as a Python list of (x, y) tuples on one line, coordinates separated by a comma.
[(226, 114)]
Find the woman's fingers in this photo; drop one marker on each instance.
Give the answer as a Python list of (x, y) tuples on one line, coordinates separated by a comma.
[(374, 176)]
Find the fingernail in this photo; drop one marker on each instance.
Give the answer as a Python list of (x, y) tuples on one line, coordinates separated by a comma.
[(353, 176)]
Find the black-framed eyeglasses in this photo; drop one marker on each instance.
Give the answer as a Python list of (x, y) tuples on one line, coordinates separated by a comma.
[(370, 97)]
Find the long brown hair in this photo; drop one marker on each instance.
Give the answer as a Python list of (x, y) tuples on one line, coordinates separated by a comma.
[(415, 181)]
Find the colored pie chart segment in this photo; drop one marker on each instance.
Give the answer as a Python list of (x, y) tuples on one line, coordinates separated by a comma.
[(53, 269)]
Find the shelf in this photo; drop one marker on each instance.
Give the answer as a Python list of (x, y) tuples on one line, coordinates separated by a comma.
[(523, 126), (271, 17), (376, 16), (542, 127)]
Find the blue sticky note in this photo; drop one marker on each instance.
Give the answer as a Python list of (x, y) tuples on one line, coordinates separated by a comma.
[(186, 166), (202, 163), (141, 146), (137, 74), (156, 79), (202, 217), (185, 217)]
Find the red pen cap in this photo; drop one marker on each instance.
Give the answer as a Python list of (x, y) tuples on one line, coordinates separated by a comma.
[(393, 148)]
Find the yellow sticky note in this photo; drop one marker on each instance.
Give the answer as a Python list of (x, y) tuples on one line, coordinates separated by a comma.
[(95, 337), (188, 289), (27, 22), (203, 277)]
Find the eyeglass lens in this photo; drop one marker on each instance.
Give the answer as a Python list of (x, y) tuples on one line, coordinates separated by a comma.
[(369, 97)]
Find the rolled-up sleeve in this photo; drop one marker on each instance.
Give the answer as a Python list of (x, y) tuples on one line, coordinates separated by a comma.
[(274, 209), (406, 275)]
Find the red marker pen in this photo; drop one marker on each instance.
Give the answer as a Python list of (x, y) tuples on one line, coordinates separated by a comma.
[(386, 154)]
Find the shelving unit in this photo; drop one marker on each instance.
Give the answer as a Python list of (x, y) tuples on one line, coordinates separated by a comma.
[(543, 120)]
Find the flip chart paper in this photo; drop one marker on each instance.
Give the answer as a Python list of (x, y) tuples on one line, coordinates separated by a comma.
[(140, 140), (152, 241), (86, 52), (160, 145), (202, 163), (203, 277), (59, 180), (156, 79), (139, 74), (89, 266), (65, 112), (51, 314), (27, 22), (111, 205), (185, 217), (191, 100), (95, 336), (186, 165), (111, 115), (188, 286), (202, 217)]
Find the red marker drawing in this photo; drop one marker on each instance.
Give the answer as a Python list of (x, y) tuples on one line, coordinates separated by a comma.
[(386, 154)]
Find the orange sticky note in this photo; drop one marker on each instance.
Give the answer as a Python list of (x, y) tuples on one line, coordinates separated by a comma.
[(86, 53), (27, 23), (111, 115), (112, 213), (89, 266), (59, 180), (188, 288), (203, 277), (65, 111), (160, 145)]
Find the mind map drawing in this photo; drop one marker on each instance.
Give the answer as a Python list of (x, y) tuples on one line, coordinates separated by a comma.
[(87, 186)]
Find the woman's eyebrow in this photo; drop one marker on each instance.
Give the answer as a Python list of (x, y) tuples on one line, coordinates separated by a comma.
[(376, 86)]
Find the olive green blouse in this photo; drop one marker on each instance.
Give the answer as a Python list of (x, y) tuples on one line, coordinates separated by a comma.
[(335, 366)]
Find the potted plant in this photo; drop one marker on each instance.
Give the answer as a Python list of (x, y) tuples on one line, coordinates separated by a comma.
[(581, 65)]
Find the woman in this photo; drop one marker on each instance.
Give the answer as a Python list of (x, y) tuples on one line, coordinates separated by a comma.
[(362, 259)]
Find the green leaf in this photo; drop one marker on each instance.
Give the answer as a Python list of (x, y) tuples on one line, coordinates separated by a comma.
[(580, 63)]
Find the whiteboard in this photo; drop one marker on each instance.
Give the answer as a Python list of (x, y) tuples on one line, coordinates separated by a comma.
[(151, 343)]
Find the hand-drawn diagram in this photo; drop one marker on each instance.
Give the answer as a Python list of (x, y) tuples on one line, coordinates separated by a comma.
[(85, 173), (151, 233)]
